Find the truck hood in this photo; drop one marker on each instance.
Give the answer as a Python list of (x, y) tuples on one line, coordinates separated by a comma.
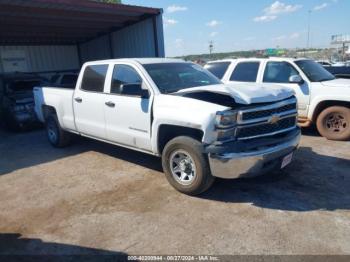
[(245, 93), (339, 82), (21, 97)]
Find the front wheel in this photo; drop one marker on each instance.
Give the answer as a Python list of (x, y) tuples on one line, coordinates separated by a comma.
[(185, 166), (334, 123)]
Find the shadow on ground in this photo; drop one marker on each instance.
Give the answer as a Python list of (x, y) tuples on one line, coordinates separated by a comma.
[(311, 182), (15, 248), (26, 149), (310, 131)]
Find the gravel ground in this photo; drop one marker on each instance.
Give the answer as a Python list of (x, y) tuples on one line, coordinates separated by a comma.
[(93, 198)]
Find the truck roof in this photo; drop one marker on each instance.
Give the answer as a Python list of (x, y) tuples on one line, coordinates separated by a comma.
[(140, 60), (259, 59)]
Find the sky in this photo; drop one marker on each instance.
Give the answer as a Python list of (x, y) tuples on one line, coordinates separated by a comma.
[(235, 25)]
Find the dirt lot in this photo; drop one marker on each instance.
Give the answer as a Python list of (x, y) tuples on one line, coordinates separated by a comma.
[(94, 197)]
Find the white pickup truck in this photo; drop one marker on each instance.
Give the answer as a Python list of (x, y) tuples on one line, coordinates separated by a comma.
[(177, 110), (322, 99)]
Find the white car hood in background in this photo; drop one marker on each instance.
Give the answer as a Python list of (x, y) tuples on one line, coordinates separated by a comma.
[(246, 93), (340, 82)]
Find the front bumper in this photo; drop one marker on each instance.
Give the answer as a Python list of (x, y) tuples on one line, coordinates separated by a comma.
[(24, 117), (252, 163)]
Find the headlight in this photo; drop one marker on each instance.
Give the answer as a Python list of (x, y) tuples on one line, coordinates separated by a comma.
[(226, 118), (225, 125), (19, 108), (224, 135)]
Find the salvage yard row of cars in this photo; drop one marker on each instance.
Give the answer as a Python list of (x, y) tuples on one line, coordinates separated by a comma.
[(201, 127)]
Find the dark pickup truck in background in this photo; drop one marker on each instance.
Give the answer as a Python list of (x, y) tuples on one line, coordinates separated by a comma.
[(16, 99), (16, 95)]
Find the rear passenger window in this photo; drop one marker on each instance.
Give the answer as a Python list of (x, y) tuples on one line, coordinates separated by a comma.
[(124, 75), (94, 78), (245, 72), (217, 69)]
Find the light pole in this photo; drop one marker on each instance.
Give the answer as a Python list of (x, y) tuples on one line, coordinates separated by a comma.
[(308, 29), (211, 47)]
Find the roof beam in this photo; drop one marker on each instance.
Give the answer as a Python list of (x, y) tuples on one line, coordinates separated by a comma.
[(45, 34), (30, 29), (63, 14), (54, 23), (39, 41), (87, 6)]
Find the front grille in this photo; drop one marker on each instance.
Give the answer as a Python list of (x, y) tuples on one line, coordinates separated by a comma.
[(262, 120), (267, 113), (245, 132)]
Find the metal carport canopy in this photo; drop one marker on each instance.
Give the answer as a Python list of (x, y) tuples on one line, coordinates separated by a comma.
[(64, 22)]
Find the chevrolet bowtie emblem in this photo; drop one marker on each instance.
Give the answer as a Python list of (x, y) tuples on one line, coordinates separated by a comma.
[(274, 119)]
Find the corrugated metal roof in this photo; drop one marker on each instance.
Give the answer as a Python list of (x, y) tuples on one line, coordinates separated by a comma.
[(31, 22)]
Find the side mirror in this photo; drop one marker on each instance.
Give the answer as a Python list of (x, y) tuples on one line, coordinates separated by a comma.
[(134, 89), (296, 79), (144, 91), (144, 94)]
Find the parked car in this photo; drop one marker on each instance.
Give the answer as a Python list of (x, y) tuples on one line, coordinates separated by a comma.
[(177, 110), (339, 64), (16, 99), (339, 71), (324, 63), (65, 79), (322, 99)]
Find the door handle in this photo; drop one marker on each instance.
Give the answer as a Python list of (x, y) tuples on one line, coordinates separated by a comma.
[(110, 104), (78, 99)]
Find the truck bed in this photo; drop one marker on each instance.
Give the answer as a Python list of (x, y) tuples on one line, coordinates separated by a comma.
[(58, 98)]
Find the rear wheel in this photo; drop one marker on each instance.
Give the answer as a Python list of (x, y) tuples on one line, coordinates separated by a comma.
[(185, 166), (334, 123), (55, 134)]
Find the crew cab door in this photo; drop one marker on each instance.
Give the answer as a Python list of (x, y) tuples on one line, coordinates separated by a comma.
[(280, 73), (128, 107), (88, 101)]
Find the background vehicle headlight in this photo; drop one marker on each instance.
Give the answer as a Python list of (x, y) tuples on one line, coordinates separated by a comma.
[(226, 118)]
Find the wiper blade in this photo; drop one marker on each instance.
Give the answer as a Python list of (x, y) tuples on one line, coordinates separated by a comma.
[(169, 91), (326, 79)]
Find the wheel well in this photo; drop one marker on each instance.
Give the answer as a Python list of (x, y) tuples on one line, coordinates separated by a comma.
[(47, 111), (325, 104), (168, 132)]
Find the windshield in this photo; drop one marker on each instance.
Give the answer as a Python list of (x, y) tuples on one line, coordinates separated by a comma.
[(173, 77), (314, 71)]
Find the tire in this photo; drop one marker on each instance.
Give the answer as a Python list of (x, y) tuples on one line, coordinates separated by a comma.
[(186, 153), (55, 134), (333, 123), (10, 123)]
